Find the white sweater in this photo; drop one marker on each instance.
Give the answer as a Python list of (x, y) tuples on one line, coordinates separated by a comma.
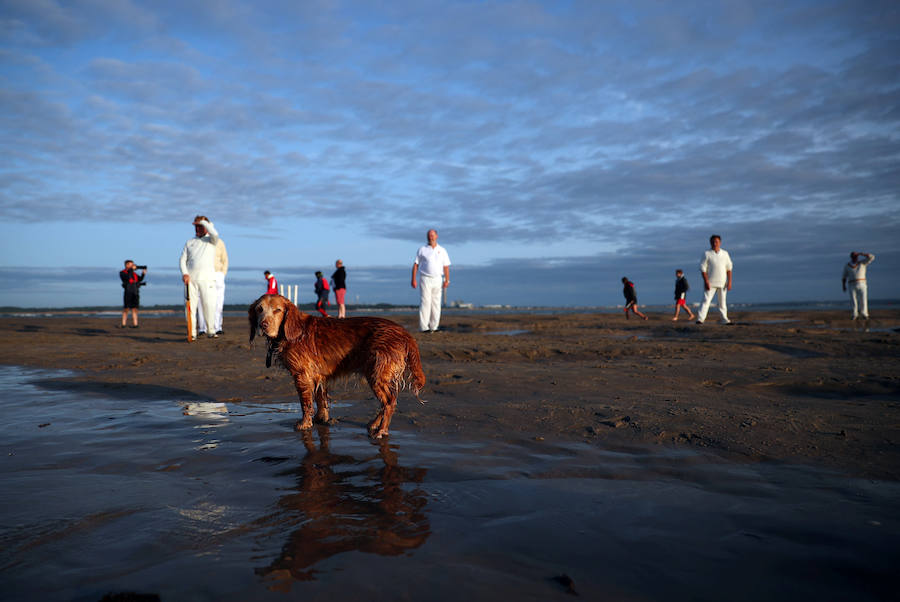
[(198, 258), (716, 266)]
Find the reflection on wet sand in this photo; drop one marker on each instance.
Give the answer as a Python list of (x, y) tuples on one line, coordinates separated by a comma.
[(342, 504)]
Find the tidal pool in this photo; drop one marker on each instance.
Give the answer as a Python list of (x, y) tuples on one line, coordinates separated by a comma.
[(191, 499)]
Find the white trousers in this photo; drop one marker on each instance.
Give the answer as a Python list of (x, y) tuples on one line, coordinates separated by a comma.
[(859, 299), (220, 304), (707, 301), (430, 289), (202, 293)]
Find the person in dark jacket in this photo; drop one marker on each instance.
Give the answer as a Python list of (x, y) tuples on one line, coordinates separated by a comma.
[(681, 289), (131, 282), (322, 292), (339, 286), (630, 298)]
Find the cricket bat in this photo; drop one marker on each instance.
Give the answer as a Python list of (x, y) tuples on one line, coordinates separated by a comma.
[(188, 313)]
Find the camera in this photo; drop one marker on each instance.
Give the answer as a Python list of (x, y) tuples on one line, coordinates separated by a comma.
[(140, 267)]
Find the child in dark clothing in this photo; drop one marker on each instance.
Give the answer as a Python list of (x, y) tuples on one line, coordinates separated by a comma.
[(630, 298), (322, 292), (681, 289)]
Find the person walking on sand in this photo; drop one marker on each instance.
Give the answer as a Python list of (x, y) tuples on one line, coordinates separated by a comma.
[(431, 263), (855, 274), (271, 283), (715, 267), (131, 282), (339, 285), (198, 272), (630, 298), (322, 293), (681, 289)]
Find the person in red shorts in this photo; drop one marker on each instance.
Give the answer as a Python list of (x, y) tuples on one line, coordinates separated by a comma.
[(339, 285), (681, 289)]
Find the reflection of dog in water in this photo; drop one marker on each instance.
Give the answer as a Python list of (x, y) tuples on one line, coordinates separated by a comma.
[(345, 504), (318, 350)]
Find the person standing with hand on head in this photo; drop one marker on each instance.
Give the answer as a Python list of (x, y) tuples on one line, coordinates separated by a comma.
[(431, 263), (855, 275), (715, 267), (198, 272)]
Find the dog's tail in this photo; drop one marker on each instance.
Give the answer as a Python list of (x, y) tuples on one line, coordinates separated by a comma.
[(414, 365)]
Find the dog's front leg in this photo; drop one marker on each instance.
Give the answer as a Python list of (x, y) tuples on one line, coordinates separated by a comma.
[(305, 393)]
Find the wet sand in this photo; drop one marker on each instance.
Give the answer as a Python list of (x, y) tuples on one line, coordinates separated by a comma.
[(557, 454), (799, 387), (208, 501)]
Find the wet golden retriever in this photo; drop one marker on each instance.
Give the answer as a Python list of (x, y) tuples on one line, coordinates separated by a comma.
[(317, 350)]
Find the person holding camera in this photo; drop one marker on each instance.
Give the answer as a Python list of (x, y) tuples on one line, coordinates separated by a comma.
[(132, 282)]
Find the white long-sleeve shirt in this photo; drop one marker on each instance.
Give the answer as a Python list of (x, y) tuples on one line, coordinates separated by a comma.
[(198, 258), (716, 266), (858, 271)]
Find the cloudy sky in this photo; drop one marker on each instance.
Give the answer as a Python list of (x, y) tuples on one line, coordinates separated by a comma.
[(555, 146)]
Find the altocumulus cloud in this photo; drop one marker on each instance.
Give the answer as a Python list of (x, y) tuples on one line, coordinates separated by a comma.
[(613, 135)]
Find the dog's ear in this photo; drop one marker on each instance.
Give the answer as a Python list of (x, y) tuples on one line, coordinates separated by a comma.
[(292, 322), (251, 315)]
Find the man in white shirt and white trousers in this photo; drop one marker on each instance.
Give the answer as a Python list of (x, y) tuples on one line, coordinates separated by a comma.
[(715, 267), (431, 264), (198, 272), (855, 276)]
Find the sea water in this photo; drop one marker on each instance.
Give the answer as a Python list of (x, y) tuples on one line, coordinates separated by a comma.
[(192, 499)]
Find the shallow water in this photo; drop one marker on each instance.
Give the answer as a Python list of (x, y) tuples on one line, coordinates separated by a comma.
[(193, 500)]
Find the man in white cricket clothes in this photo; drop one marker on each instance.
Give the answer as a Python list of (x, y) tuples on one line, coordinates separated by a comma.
[(431, 264), (198, 271), (715, 267), (855, 275), (221, 271)]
